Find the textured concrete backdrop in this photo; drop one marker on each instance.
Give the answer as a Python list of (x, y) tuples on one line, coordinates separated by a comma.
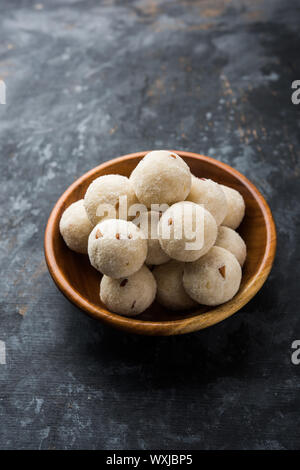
[(91, 80)]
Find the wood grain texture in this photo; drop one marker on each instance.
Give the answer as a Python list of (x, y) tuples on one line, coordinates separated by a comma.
[(79, 281)]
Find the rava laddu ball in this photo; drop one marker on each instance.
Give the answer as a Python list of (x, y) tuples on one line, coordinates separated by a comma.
[(117, 248), (148, 222), (235, 207), (213, 279), (75, 227), (211, 195), (161, 177), (187, 231), (230, 240), (170, 290), (129, 295), (104, 195)]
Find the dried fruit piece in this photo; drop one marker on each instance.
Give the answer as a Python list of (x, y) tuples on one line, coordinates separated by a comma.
[(170, 221), (173, 155), (133, 304), (129, 236), (117, 236), (123, 282), (222, 271), (98, 234)]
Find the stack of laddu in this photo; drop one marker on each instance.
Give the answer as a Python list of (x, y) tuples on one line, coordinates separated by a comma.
[(124, 251)]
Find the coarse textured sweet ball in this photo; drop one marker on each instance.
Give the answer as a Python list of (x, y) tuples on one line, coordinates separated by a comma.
[(170, 291), (161, 177), (75, 227), (117, 248), (129, 295), (235, 208), (187, 231), (213, 279), (149, 224), (211, 195), (230, 240), (103, 195)]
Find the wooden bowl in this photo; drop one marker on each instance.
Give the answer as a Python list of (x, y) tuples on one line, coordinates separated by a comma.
[(79, 282)]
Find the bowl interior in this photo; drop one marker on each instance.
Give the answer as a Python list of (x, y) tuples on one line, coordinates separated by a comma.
[(80, 281)]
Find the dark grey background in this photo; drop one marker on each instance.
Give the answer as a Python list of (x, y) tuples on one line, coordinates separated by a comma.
[(88, 81)]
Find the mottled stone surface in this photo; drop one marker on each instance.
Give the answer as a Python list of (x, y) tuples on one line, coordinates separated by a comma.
[(88, 81)]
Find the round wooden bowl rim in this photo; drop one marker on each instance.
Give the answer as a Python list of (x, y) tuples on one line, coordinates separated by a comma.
[(186, 324)]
